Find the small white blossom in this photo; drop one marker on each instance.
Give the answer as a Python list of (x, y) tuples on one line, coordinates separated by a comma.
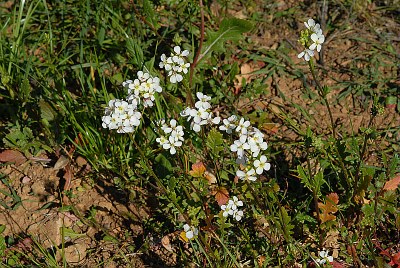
[(229, 124), (246, 176), (122, 116), (190, 231), (175, 65), (173, 136), (242, 126), (200, 115), (312, 26), (232, 208), (143, 89), (312, 36), (239, 146), (203, 102), (317, 41), (261, 165), (324, 254), (307, 54)]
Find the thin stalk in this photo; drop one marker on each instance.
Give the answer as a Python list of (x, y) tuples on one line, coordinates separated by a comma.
[(189, 98), (322, 94), (158, 181), (362, 153), (315, 195)]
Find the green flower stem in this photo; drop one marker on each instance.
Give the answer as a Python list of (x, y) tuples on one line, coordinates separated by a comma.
[(362, 154), (189, 98), (322, 94), (315, 192), (158, 181), (165, 191)]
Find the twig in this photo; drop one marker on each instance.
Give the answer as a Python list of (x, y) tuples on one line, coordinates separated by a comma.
[(324, 14), (189, 99)]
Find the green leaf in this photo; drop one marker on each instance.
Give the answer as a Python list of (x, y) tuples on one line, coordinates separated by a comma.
[(215, 142), (162, 167), (135, 51), (231, 29), (285, 220), (68, 232), (110, 238), (46, 111), (151, 17), (304, 177), (100, 35)]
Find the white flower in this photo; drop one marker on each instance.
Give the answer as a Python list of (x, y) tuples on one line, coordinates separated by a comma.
[(239, 146), (317, 41), (175, 77), (229, 124), (242, 126), (232, 208), (312, 26), (173, 136), (246, 175), (175, 64), (261, 165), (164, 63), (203, 101), (201, 114), (190, 231), (143, 89), (163, 141), (307, 54), (122, 116), (324, 254), (238, 215)]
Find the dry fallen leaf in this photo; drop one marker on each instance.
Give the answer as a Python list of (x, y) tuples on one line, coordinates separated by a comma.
[(221, 195), (183, 237), (392, 184), (61, 162), (165, 241), (395, 260), (329, 207), (198, 170), (12, 156), (210, 177)]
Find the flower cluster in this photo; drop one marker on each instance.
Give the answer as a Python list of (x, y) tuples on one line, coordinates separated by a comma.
[(201, 114), (232, 208), (176, 64), (190, 232), (311, 38), (142, 89), (324, 254), (121, 115), (248, 148), (173, 136)]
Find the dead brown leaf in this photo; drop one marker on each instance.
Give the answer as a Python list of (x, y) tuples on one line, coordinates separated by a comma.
[(12, 156), (210, 177), (166, 242), (221, 195), (392, 184), (329, 208), (198, 170), (61, 162)]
